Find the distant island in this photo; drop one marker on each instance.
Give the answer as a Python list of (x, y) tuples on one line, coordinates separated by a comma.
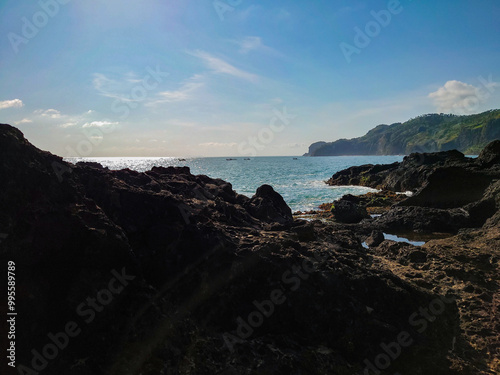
[(426, 133)]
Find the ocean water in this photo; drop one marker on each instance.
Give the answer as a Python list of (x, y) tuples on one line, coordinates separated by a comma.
[(301, 182)]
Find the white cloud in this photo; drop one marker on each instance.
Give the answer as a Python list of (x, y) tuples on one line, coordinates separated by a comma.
[(459, 97), (23, 121), (219, 66), (51, 113), (15, 103), (99, 124)]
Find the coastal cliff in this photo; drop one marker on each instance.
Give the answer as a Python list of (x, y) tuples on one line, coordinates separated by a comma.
[(427, 133), (165, 272)]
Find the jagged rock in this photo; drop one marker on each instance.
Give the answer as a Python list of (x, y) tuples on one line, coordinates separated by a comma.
[(375, 239), (345, 210), (409, 175), (267, 205), (426, 219), (364, 175), (450, 187), (490, 155)]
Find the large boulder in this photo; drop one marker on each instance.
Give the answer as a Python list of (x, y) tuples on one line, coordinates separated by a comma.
[(345, 210), (450, 187), (490, 155), (269, 206), (409, 175)]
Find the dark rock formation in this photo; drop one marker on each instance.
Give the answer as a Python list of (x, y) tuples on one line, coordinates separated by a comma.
[(450, 187), (346, 210), (450, 191), (216, 282), (455, 195), (374, 203), (375, 239), (490, 155), (409, 175), (270, 207), (423, 219)]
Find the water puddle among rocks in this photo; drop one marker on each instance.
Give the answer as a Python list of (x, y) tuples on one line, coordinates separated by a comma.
[(416, 239), (396, 238)]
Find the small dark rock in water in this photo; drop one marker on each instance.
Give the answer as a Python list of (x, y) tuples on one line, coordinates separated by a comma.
[(346, 211), (375, 239)]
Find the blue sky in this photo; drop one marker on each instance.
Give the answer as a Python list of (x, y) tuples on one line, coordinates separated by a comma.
[(237, 77)]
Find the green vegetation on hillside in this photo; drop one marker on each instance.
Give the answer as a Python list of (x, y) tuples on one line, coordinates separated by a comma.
[(426, 133)]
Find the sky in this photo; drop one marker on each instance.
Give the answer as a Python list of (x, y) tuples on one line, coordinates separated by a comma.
[(237, 77)]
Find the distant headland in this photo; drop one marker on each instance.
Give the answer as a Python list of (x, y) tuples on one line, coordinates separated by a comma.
[(426, 133)]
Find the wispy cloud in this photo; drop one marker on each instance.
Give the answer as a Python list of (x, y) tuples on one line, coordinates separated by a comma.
[(255, 43), (185, 92), (99, 124), (220, 66), (250, 43), (23, 121), (111, 88), (86, 119), (50, 113), (15, 103)]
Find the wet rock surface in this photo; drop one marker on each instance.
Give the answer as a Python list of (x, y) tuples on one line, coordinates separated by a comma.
[(218, 283)]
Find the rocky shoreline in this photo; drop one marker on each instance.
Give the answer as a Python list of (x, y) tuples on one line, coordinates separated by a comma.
[(213, 282)]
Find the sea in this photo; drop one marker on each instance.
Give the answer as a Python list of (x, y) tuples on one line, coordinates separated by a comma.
[(300, 180)]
